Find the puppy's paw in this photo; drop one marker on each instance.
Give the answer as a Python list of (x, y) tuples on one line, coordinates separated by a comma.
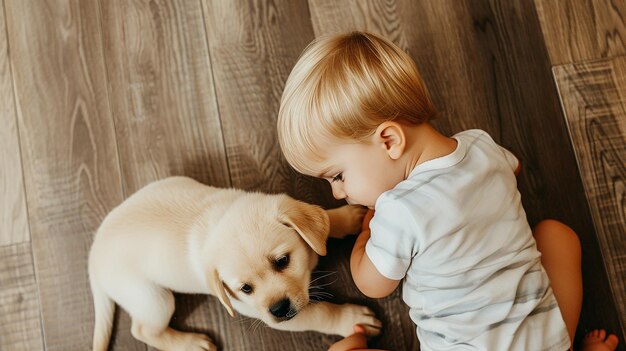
[(346, 220), (196, 342), (350, 315)]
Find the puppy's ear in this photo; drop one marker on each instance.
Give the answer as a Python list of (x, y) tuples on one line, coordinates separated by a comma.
[(310, 221), (216, 285)]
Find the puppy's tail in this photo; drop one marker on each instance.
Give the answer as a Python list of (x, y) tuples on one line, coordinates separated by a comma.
[(104, 309)]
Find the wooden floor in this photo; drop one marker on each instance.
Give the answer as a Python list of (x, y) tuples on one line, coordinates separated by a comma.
[(100, 97)]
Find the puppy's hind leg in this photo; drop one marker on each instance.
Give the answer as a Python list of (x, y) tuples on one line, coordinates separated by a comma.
[(151, 312)]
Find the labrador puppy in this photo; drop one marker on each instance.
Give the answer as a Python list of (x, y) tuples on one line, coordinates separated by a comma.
[(254, 252)]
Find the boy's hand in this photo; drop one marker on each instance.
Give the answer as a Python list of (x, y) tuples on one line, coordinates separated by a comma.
[(345, 220), (356, 341)]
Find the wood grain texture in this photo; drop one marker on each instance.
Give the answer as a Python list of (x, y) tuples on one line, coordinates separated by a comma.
[(253, 46), (20, 323), (579, 30), (110, 95), (13, 219), (166, 117), (533, 125), (70, 160), (162, 94), (485, 68), (594, 100)]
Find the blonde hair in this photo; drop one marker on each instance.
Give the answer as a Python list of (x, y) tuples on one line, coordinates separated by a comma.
[(345, 86)]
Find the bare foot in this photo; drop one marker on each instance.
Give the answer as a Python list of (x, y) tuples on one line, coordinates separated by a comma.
[(597, 340)]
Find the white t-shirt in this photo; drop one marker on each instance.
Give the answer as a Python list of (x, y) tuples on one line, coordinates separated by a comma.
[(455, 230)]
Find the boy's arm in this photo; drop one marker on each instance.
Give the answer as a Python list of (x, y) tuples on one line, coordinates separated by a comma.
[(364, 273)]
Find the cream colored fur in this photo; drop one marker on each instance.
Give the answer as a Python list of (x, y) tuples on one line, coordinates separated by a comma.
[(179, 235)]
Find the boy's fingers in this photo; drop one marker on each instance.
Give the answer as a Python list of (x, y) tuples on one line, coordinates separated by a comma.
[(359, 329)]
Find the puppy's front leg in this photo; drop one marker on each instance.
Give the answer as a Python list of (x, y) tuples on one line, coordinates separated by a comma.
[(328, 318), (345, 220)]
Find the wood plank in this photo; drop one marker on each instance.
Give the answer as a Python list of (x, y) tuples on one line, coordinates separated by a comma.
[(20, 323), (166, 117), (71, 169), (594, 99), (253, 47), (13, 219), (484, 70), (162, 94), (579, 30), (534, 126)]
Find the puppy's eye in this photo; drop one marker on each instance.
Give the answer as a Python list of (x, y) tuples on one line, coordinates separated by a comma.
[(246, 289), (281, 262)]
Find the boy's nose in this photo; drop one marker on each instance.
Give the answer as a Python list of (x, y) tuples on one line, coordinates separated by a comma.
[(338, 192)]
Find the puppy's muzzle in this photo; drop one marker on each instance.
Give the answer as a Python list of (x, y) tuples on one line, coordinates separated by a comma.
[(283, 310)]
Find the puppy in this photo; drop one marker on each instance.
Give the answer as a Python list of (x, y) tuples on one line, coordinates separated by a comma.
[(254, 252)]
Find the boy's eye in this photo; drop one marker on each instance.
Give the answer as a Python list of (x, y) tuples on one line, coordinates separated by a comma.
[(338, 177)]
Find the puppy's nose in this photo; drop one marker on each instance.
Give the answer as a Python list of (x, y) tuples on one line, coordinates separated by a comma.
[(281, 308)]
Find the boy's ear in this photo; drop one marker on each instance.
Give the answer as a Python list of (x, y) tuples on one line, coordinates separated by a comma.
[(391, 137)]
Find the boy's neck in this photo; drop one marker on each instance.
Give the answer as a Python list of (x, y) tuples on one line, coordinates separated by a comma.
[(425, 143)]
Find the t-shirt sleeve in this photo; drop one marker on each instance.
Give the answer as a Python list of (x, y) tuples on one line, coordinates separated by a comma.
[(392, 244), (511, 159)]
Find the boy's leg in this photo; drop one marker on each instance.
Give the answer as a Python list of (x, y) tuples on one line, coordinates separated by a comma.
[(561, 258)]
